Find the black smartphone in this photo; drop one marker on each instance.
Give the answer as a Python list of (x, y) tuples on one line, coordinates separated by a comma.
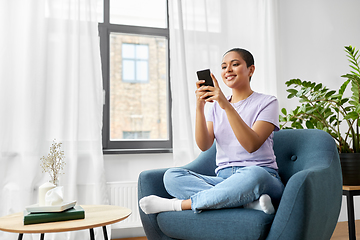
[(205, 75)]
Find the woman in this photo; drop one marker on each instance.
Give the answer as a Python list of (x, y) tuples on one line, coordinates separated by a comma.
[(243, 126)]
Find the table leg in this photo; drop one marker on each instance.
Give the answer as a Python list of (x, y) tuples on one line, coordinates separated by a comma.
[(105, 233), (20, 236), (42, 236), (92, 235), (351, 215)]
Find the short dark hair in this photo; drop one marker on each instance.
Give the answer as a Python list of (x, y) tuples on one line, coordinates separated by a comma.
[(245, 54)]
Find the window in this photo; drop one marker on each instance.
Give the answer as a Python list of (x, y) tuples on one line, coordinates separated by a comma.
[(136, 135), (135, 62), (134, 43)]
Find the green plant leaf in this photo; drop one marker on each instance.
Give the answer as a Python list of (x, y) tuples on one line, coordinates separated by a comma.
[(292, 91), (351, 115), (297, 125), (302, 109), (290, 96), (328, 113), (343, 87), (352, 102), (329, 94), (319, 125), (288, 118), (310, 110), (293, 81), (336, 96), (332, 118), (309, 125), (282, 119), (318, 87), (343, 101)]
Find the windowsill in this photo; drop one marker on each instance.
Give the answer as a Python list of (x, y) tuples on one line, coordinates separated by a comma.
[(137, 151)]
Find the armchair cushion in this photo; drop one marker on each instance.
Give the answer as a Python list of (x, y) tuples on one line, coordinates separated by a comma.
[(237, 223)]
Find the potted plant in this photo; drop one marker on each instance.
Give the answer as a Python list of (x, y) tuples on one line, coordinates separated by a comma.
[(330, 111)]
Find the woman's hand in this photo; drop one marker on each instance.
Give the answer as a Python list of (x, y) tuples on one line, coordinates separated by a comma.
[(204, 133), (200, 93), (210, 94)]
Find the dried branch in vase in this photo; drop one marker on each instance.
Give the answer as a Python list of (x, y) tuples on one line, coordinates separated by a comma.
[(54, 162)]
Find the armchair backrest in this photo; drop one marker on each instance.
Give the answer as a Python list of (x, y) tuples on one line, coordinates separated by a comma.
[(295, 150), (205, 163), (301, 149)]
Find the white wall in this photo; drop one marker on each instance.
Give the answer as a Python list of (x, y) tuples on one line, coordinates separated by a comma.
[(127, 167), (312, 36)]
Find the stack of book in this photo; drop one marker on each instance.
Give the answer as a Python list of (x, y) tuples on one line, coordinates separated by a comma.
[(67, 211)]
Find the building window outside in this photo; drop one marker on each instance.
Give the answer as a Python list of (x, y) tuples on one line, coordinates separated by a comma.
[(136, 135), (135, 65), (135, 106), (135, 60)]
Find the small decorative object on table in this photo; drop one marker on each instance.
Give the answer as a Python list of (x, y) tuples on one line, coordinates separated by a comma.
[(76, 212), (54, 162), (50, 207)]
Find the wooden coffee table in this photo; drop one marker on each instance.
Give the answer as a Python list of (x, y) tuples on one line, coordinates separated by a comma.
[(95, 216)]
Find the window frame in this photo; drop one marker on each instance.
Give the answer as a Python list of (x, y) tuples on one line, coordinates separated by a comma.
[(130, 146)]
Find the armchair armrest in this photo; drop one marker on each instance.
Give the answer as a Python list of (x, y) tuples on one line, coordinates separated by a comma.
[(151, 183), (310, 203)]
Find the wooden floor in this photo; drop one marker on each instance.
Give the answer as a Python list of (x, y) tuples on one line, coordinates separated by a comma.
[(340, 233)]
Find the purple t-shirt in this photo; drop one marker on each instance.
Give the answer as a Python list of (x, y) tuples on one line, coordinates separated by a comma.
[(257, 107)]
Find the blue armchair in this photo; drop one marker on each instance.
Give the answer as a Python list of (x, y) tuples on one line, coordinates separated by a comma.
[(309, 208)]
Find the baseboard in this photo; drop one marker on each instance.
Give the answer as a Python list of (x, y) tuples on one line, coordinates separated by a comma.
[(127, 233)]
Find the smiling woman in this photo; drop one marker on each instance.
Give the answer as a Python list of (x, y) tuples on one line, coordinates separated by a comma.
[(246, 173)]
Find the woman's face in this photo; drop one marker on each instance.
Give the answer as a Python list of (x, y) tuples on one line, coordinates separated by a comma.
[(234, 70)]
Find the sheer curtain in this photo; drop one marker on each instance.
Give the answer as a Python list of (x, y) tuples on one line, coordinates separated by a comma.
[(51, 88), (201, 32)]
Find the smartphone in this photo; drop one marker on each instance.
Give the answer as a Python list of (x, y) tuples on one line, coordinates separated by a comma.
[(205, 75)]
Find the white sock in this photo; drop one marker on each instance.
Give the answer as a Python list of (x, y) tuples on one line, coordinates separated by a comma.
[(263, 204), (154, 204)]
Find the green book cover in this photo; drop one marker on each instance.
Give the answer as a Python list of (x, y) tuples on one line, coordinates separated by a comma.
[(77, 212)]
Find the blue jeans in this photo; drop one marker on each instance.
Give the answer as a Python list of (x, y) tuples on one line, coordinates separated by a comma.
[(232, 187)]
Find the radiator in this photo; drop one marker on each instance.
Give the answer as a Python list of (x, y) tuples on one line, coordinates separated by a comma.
[(124, 194)]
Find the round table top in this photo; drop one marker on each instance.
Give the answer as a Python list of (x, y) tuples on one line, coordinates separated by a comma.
[(95, 216), (351, 188)]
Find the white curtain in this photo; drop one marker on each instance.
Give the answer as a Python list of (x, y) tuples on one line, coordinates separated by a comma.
[(50, 88), (201, 32)]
